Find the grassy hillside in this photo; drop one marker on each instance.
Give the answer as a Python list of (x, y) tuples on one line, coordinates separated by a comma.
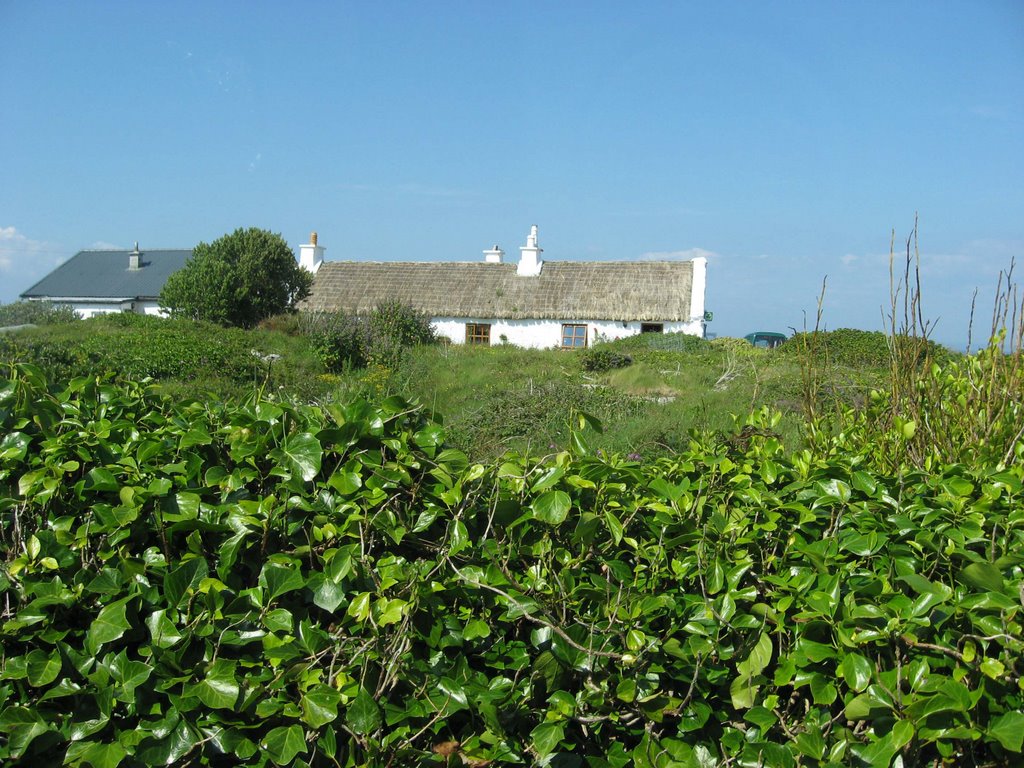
[(493, 399)]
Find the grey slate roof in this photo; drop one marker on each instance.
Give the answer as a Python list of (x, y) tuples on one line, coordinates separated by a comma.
[(566, 290), (105, 275)]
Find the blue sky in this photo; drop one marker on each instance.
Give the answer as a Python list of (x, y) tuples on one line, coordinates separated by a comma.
[(785, 141)]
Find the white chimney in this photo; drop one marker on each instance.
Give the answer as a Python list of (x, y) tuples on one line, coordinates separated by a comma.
[(494, 256), (311, 255), (529, 256), (134, 258)]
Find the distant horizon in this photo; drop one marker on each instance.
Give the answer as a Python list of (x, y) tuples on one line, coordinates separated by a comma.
[(785, 142)]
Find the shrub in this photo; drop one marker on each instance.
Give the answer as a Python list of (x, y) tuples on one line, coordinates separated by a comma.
[(237, 280), (36, 313), (134, 347), (855, 348), (602, 358), (393, 326), (263, 583), (339, 341)]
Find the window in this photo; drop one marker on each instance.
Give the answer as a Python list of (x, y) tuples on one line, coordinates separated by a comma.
[(652, 328), (574, 336), (478, 333)]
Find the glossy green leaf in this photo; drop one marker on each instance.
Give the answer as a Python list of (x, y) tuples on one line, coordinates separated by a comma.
[(552, 507), (546, 737), (857, 671), (110, 624), (183, 579), (320, 706), (345, 482), (22, 726), (363, 715), (14, 446), (983, 576), (218, 688), (284, 743), (301, 454), (280, 579), (95, 754), (43, 668), (1008, 730)]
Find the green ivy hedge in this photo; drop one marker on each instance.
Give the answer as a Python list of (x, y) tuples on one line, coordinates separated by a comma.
[(271, 584)]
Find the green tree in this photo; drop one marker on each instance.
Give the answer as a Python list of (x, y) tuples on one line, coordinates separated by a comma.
[(238, 279)]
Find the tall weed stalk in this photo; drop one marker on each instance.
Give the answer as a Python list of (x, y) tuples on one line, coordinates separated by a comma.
[(938, 408)]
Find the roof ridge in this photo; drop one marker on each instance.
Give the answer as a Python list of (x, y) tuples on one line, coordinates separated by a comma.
[(129, 250)]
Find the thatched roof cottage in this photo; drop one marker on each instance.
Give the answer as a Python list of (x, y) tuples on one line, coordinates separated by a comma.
[(532, 303)]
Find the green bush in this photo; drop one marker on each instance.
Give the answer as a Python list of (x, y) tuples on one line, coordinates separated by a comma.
[(196, 356), (237, 280), (36, 313), (602, 358), (855, 348), (339, 341), (393, 327), (268, 584)]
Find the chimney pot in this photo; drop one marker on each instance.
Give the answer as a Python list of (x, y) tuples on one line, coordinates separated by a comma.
[(530, 263), (311, 255), (135, 258)]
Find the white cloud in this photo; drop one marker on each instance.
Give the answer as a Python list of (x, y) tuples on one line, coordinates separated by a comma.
[(103, 245), (14, 244), (683, 255), (23, 261)]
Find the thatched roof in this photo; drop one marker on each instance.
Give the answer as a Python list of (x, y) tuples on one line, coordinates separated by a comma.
[(596, 290)]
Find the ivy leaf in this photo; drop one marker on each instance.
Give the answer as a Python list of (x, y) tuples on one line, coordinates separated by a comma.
[(326, 594), (95, 754), (218, 689), (1008, 730), (363, 715), (320, 705), (552, 507), (22, 725), (389, 611), (183, 578), (345, 482), (301, 455), (743, 692), (109, 625), (759, 657), (162, 630), (278, 579), (284, 743), (475, 628), (359, 608), (430, 436), (546, 737), (43, 669), (167, 749)]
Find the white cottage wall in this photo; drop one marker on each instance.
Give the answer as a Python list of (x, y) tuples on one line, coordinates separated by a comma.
[(544, 334)]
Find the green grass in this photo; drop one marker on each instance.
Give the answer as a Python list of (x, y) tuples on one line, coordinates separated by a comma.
[(493, 399), (500, 398)]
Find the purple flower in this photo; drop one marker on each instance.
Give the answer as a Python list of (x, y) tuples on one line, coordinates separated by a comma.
[(634, 457)]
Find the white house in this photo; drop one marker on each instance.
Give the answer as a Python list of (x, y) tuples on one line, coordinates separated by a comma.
[(531, 303), (101, 282)]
